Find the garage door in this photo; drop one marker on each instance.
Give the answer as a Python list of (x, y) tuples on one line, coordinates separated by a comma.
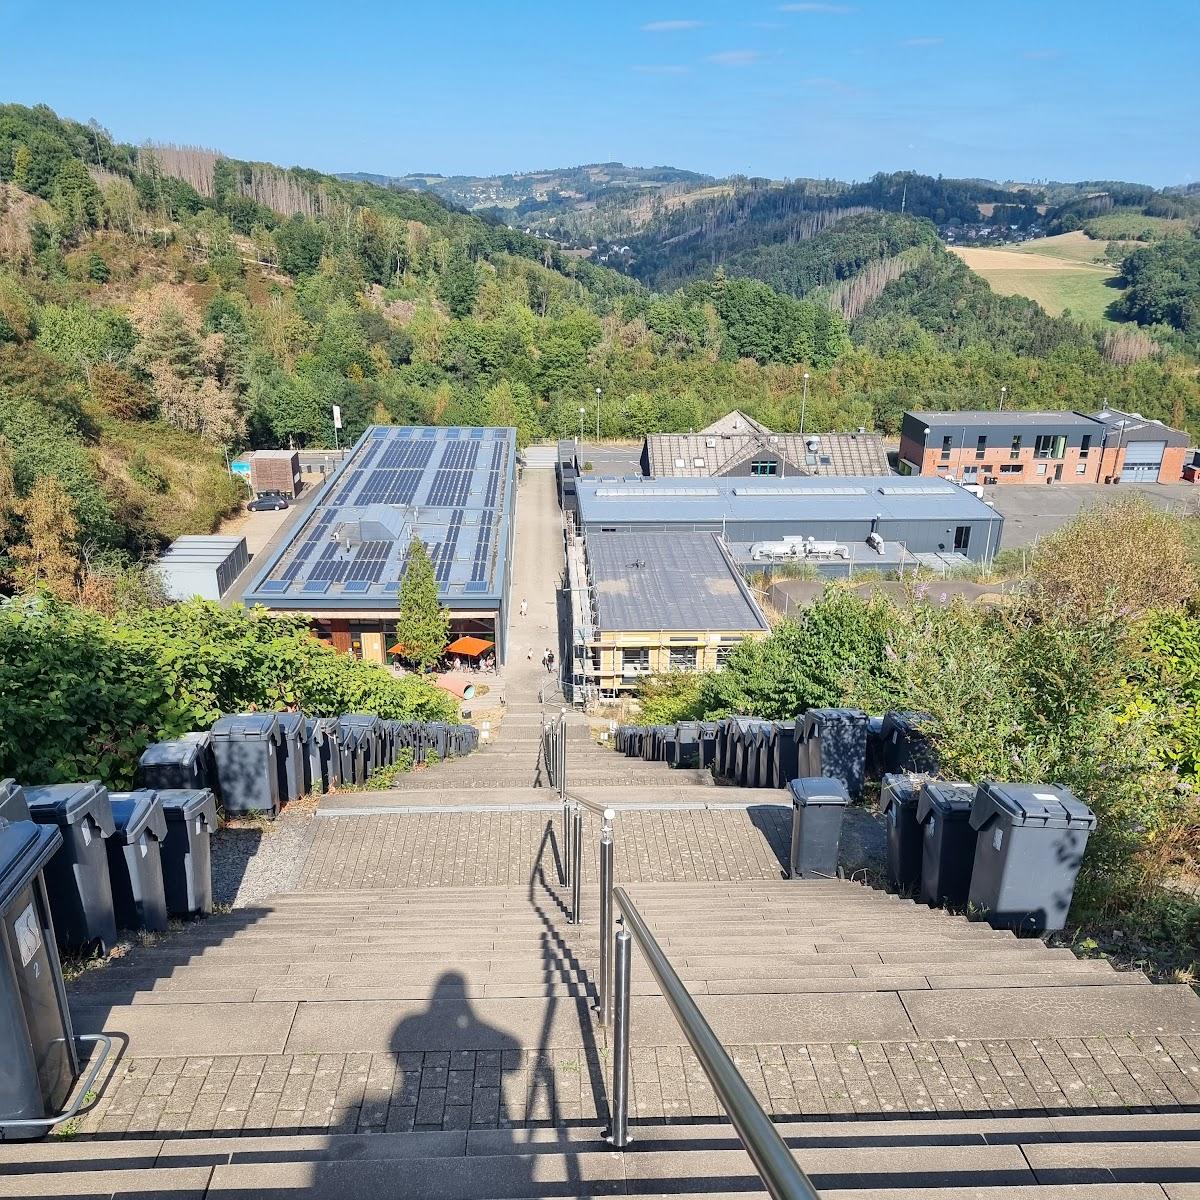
[(1143, 461)]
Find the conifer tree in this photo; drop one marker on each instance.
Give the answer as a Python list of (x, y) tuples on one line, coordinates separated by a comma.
[(423, 627)]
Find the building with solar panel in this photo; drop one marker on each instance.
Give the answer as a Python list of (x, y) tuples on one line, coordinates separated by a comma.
[(839, 525), (454, 488)]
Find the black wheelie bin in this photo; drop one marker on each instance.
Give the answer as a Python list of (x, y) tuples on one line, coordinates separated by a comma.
[(294, 728), (947, 841), (182, 763), (81, 899), (323, 762), (898, 798), (135, 860), (191, 815), (836, 740)]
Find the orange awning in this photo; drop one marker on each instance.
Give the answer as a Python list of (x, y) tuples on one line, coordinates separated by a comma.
[(472, 647)]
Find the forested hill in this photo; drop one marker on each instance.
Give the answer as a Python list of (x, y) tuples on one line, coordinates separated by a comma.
[(162, 306)]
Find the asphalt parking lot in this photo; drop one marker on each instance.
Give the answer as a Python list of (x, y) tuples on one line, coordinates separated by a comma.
[(1032, 512)]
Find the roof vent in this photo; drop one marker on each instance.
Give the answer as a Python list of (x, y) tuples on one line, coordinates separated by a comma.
[(680, 463), (697, 462), (711, 443)]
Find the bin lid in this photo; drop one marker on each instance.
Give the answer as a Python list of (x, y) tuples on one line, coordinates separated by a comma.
[(900, 789), (293, 724), (361, 720), (182, 804), (203, 739), (898, 723), (25, 848), (815, 790), (12, 796), (1044, 805), (70, 803), (947, 797), (170, 753), (324, 727), (244, 726), (138, 812), (832, 716)]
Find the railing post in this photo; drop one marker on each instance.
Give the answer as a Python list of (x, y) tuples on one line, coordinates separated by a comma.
[(566, 865), (576, 863), (619, 1134), (604, 1007)]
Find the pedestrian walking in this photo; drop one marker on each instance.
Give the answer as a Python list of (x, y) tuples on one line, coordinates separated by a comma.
[(524, 607), (529, 656), (550, 662)]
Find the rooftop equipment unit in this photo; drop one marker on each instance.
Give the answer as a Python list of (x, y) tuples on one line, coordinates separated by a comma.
[(875, 542)]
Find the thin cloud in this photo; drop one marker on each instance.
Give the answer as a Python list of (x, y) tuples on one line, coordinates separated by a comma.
[(735, 58), (670, 26), (833, 10), (661, 69), (918, 42)]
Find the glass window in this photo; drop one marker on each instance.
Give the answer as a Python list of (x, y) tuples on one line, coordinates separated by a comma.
[(947, 442), (1011, 469), (1041, 468), (1085, 445), (764, 466), (1050, 445), (636, 659), (683, 658), (981, 445), (962, 537), (723, 653), (1015, 452), (1081, 468)]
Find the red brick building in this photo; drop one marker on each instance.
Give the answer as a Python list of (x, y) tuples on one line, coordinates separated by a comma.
[(1042, 447)]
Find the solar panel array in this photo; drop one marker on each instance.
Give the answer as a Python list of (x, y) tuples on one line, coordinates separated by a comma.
[(450, 487)]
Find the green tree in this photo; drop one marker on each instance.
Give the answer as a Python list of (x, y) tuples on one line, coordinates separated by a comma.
[(460, 284), (423, 625)]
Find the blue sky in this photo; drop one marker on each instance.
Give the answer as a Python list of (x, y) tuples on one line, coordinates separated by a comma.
[(1006, 90)]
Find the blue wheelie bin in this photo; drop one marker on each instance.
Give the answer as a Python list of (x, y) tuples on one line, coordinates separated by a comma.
[(135, 860)]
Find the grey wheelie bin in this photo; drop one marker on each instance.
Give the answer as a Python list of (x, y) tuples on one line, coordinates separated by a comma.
[(837, 745), (947, 841), (191, 815), (683, 745), (818, 805), (135, 860), (184, 763), (323, 769), (354, 744), (1030, 844), (294, 728), (785, 756), (367, 726), (709, 731), (745, 759), (81, 899), (247, 747), (906, 746), (38, 1063), (898, 798), (12, 801)]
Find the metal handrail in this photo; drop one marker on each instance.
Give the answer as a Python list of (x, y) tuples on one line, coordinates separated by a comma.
[(601, 810), (774, 1162)]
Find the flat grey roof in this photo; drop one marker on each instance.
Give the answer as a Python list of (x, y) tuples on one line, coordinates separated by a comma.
[(1133, 427), (1014, 416), (645, 581), (453, 487), (840, 498)]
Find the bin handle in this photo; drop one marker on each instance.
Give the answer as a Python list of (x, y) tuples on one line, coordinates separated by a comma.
[(82, 1091)]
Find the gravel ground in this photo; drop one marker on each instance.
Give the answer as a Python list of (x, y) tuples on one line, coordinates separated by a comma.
[(253, 860)]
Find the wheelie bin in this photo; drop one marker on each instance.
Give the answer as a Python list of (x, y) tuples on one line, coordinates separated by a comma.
[(947, 841), (837, 745), (81, 899), (247, 747), (135, 860), (187, 852), (898, 797), (818, 805), (12, 801)]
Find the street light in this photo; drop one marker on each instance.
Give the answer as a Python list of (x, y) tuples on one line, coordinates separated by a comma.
[(582, 410), (598, 392), (1003, 393), (804, 402)]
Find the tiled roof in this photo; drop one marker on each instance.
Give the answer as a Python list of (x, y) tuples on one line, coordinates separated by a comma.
[(698, 455)]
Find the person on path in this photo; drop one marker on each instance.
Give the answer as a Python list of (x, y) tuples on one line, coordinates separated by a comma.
[(550, 662), (524, 607)]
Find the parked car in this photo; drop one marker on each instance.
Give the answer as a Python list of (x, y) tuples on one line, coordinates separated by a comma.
[(267, 503)]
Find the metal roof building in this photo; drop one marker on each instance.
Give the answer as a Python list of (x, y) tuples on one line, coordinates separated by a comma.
[(644, 603), (739, 445), (452, 487), (909, 517), (646, 581), (201, 565)]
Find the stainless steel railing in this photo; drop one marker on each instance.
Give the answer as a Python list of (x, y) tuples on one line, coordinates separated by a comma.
[(778, 1169)]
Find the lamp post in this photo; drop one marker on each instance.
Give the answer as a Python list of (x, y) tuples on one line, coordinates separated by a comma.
[(582, 411), (1003, 393), (598, 393), (804, 402)]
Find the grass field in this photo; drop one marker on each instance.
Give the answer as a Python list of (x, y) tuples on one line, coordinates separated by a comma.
[(1060, 280), (1115, 226)]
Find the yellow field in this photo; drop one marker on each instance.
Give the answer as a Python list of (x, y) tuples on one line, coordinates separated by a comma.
[(1059, 279)]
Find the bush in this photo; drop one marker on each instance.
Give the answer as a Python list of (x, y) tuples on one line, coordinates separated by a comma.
[(81, 695)]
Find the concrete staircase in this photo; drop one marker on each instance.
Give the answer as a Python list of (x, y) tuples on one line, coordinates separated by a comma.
[(467, 974)]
